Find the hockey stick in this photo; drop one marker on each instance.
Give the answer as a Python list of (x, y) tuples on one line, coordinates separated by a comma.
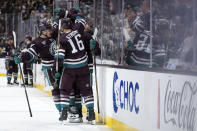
[(95, 72), (57, 48), (14, 34), (58, 43)]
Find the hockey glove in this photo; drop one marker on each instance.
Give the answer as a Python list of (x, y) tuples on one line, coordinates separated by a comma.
[(17, 59), (92, 44)]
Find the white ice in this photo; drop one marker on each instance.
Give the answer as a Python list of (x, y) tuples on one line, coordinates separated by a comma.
[(14, 114)]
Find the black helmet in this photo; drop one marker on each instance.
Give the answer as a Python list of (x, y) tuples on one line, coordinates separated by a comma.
[(44, 26), (66, 23)]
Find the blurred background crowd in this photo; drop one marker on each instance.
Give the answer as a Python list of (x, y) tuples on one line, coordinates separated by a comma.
[(144, 33)]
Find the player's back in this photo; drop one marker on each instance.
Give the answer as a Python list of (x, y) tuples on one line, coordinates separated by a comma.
[(75, 53), (141, 27)]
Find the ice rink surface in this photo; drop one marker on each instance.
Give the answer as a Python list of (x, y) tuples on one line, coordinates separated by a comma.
[(14, 114)]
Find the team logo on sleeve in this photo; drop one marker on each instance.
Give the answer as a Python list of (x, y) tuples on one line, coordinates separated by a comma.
[(52, 48)]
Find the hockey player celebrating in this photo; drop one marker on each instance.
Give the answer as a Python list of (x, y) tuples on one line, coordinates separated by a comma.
[(59, 14), (91, 46), (44, 47), (75, 64), (28, 67), (75, 111), (11, 67)]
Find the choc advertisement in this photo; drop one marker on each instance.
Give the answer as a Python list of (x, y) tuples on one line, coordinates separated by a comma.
[(125, 94)]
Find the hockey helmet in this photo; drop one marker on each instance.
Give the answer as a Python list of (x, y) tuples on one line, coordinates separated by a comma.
[(44, 26), (74, 10), (66, 23), (60, 13)]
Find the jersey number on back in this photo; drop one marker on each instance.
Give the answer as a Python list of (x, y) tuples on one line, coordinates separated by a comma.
[(79, 44), (141, 44)]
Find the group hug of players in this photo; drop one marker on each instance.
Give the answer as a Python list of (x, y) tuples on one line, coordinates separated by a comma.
[(67, 63)]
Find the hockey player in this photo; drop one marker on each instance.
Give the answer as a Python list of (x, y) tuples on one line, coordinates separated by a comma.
[(11, 67), (91, 46), (75, 64), (28, 67), (139, 53), (73, 117), (75, 111), (59, 14), (44, 47)]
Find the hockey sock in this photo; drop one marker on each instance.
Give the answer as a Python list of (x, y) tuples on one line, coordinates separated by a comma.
[(26, 80), (79, 106), (78, 103), (64, 106), (31, 81), (72, 101), (9, 79), (72, 98), (58, 107), (89, 101), (64, 99), (15, 77), (56, 99)]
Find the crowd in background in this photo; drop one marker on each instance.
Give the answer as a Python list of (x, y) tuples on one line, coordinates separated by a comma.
[(14, 11), (173, 26), (173, 30), (28, 7)]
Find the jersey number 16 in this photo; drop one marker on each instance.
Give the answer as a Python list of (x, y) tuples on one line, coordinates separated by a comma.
[(79, 44)]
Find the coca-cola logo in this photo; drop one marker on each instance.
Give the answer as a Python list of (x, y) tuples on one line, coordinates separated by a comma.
[(180, 106)]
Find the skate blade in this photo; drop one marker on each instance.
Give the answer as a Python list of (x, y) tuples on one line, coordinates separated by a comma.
[(93, 122), (76, 120)]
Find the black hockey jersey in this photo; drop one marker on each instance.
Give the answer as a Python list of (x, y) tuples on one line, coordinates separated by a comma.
[(42, 47), (10, 52), (72, 46)]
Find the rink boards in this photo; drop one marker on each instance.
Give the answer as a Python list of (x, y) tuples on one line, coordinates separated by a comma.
[(147, 101), (133, 100)]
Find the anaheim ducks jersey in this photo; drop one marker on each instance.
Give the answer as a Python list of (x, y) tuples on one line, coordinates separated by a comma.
[(42, 47), (72, 46)]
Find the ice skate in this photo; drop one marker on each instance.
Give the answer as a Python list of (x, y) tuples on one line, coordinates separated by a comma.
[(74, 116), (30, 85), (63, 115), (91, 116), (16, 83), (26, 84), (9, 83)]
